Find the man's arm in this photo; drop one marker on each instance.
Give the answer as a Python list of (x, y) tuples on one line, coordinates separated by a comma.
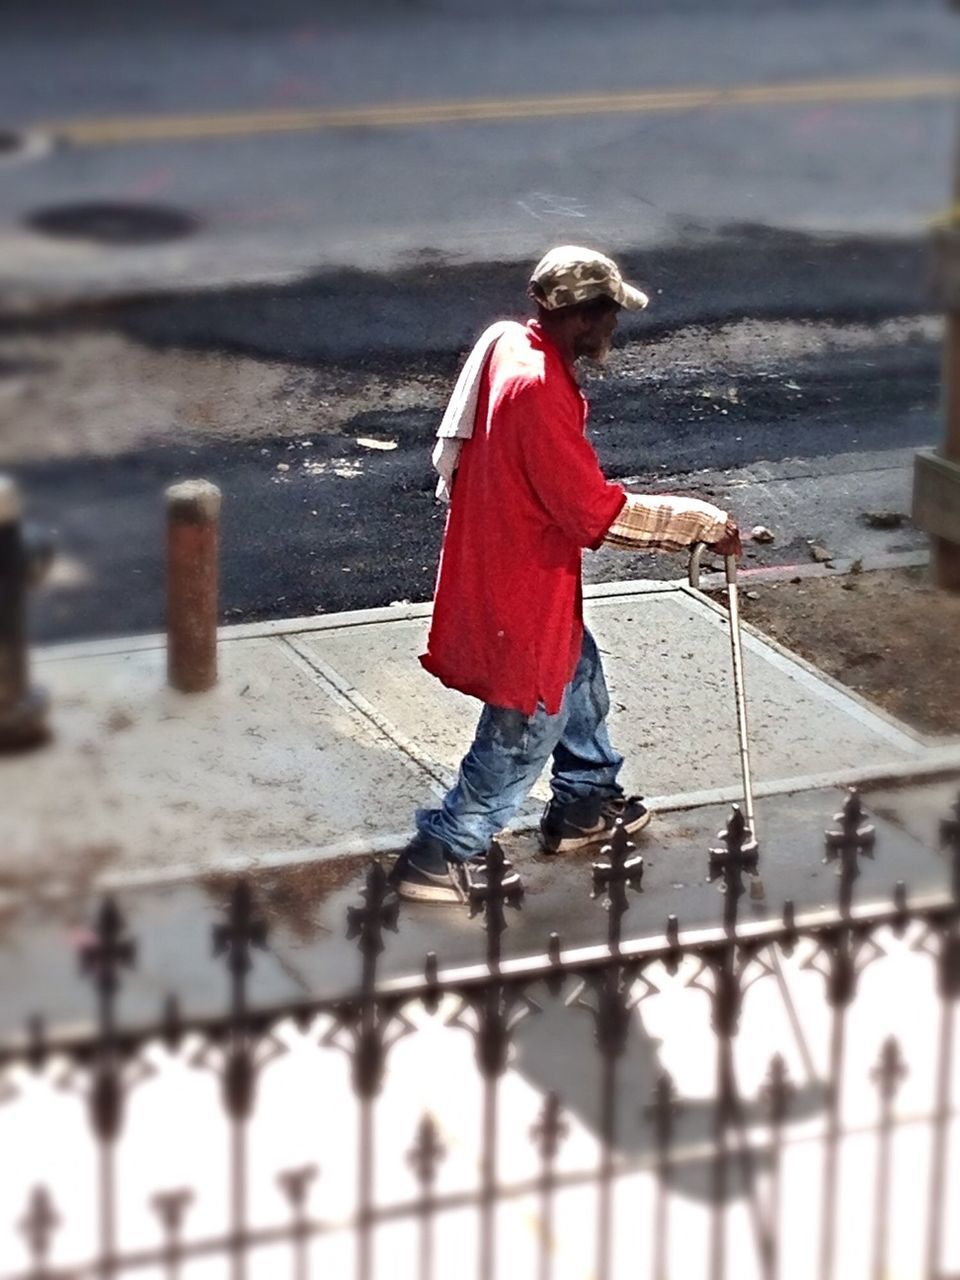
[(662, 523), (562, 467)]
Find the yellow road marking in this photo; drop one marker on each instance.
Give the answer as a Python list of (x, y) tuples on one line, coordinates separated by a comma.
[(106, 132), (949, 217)]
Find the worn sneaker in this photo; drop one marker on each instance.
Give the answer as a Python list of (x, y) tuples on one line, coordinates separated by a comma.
[(564, 828), (427, 872)]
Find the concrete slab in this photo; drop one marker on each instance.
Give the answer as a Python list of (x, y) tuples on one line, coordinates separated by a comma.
[(324, 736), (141, 778), (668, 666)]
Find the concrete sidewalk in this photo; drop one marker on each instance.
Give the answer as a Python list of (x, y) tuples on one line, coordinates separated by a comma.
[(325, 734)]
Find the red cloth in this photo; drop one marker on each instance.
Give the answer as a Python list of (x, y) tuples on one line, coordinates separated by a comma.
[(528, 496)]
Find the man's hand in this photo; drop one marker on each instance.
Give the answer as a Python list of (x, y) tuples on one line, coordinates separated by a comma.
[(729, 544)]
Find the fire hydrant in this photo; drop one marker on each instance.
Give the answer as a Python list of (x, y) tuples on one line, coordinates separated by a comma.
[(23, 707)]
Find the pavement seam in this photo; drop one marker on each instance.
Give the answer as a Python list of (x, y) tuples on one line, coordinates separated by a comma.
[(440, 779), (819, 683)]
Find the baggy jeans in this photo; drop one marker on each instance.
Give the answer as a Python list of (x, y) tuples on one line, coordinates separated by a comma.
[(509, 752)]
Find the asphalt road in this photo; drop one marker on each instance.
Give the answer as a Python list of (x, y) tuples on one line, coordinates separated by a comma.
[(366, 188), (845, 129)]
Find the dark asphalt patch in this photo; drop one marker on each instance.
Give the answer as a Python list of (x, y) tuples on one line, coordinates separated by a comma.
[(294, 542), (435, 308), (335, 526)]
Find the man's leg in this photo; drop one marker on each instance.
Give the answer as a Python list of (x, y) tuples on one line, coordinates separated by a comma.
[(446, 861), (507, 756), (584, 761), (587, 798)]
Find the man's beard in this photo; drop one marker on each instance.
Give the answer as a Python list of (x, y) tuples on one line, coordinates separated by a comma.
[(601, 355)]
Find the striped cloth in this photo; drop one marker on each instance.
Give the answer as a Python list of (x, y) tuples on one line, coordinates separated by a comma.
[(661, 523)]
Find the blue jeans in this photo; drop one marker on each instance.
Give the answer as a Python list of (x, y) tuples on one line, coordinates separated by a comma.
[(508, 755)]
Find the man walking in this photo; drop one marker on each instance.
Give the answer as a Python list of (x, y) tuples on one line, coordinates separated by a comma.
[(527, 495)]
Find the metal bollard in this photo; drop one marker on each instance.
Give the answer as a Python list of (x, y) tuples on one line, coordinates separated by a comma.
[(23, 708), (193, 537)]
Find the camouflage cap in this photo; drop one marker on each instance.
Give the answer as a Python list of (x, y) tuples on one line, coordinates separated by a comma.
[(569, 274)]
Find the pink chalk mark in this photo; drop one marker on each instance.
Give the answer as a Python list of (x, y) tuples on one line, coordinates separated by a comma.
[(154, 183)]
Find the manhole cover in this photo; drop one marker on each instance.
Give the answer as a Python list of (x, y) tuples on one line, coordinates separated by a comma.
[(113, 224)]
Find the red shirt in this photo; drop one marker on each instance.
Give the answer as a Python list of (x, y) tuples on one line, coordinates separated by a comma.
[(529, 495)]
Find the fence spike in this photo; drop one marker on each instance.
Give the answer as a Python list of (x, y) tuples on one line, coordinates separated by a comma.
[(555, 978), (243, 930), (736, 855), (777, 1090), (620, 867), (427, 1152), (664, 1109), (110, 950), (891, 1068), (36, 1042), (171, 1208), (39, 1224), (846, 843), (172, 1025), (431, 968), (550, 1129), (790, 926), (950, 836), (491, 900), (295, 1185), (902, 917)]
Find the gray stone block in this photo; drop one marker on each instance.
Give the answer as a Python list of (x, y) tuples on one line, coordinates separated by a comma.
[(946, 267), (936, 495)]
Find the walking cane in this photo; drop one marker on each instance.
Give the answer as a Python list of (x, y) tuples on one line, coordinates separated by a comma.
[(733, 604)]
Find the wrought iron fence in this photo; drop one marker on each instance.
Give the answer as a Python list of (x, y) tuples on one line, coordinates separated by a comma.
[(457, 1167)]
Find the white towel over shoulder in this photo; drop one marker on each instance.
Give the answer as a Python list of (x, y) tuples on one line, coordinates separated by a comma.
[(461, 412)]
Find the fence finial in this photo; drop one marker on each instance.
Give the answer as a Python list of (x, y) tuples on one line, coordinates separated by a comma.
[(950, 835), (39, 1224), (853, 839), (620, 867), (110, 950), (427, 1152), (242, 931), (735, 856), (550, 1129), (491, 900), (381, 910)]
